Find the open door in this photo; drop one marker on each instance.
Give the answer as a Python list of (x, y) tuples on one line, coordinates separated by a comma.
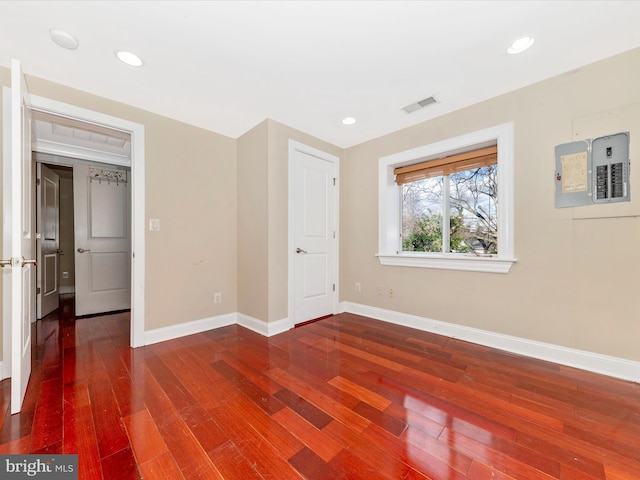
[(19, 226), (48, 240)]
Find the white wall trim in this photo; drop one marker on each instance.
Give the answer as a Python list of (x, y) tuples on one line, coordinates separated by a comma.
[(4, 371), (137, 132), (6, 232), (266, 329), (172, 332), (88, 154), (448, 261), (593, 362), (389, 204), (67, 289), (189, 328)]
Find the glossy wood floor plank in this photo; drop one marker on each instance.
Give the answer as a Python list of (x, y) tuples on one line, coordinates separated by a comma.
[(346, 397)]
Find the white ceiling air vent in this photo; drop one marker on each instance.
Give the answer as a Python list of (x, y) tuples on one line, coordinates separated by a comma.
[(418, 105)]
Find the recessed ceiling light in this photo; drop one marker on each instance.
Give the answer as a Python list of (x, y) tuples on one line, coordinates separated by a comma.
[(129, 58), (348, 120), (520, 45), (63, 39)]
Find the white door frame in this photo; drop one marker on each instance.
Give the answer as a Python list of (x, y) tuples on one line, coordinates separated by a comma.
[(137, 165), (300, 147)]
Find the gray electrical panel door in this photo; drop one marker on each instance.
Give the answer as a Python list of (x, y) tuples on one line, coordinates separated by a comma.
[(573, 174), (593, 171)]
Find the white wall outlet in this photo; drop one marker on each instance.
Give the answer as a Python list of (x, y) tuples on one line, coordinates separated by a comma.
[(154, 224), (391, 293), (65, 274), (358, 287), (217, 297)]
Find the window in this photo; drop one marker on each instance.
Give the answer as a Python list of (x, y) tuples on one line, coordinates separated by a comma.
[(450, 204)]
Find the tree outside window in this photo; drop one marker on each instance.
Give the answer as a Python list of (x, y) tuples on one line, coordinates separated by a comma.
[(457, 210)]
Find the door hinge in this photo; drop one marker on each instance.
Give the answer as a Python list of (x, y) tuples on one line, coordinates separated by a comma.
[(334, 287), (334, 181), (37, 181), (334, 234), (37, 290)]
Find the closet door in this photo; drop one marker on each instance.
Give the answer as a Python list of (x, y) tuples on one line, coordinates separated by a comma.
[(102, 200)]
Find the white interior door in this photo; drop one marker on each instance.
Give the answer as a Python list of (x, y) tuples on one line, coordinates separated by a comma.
[(102, 199), (19, 238), (48, 239), (313, 202)]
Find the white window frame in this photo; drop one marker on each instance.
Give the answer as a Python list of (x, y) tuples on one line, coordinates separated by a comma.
[(390, 208)]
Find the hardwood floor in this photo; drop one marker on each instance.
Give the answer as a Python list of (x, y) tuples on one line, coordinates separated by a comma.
[(345, 397)]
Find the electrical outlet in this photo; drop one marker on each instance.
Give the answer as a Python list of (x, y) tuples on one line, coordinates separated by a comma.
[(217, 297), (65, 274), (379, 289), (391, 293), (358, 287)]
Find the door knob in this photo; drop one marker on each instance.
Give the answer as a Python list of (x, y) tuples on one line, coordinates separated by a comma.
[(16, 262), (28, 262), (82, 250), (299, 250)]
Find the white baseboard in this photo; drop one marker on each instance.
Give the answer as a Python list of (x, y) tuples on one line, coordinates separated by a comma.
[(67, 289), (3, 374), (267, 329), (593, 362), (197, 326)]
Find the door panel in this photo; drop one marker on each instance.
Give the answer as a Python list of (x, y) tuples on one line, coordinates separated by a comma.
[(48, 220), (108, 215), (315, 283), (50, 277), (103, 252), (313, 210), (109, 271)]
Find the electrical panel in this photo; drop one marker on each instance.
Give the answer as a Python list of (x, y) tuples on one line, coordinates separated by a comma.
[(593, 171)]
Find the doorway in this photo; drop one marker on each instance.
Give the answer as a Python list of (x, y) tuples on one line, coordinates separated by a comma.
[(83, 240), (134, 160)]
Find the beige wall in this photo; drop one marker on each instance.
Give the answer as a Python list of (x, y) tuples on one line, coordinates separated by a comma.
[(223, 209), (191, 187), (263, 176), (576, 280), (279, 136), (253, 223)]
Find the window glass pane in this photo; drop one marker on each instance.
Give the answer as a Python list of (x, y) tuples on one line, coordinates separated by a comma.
[(473, 206), (472, 215), (422, 203)]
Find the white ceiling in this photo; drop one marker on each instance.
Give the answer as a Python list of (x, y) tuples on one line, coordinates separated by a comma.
[(226, 66)]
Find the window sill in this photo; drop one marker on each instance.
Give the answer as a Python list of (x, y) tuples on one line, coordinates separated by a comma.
[(448, 262)]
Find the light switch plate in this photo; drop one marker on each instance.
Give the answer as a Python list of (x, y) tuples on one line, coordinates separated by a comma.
[(154, 224)]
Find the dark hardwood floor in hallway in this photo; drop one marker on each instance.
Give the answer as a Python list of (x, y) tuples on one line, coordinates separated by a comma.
[(345, 397)]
